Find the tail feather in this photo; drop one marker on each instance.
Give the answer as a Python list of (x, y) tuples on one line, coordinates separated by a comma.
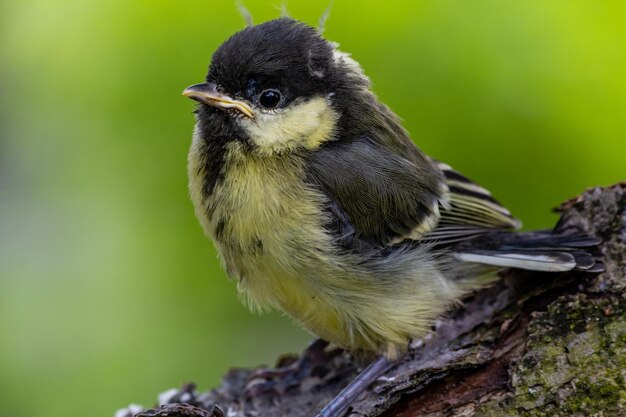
[(584, 260), (533, 261), (535, 251), (547, 240)]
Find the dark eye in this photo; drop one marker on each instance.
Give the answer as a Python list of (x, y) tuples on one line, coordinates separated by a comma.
[(269, 98)]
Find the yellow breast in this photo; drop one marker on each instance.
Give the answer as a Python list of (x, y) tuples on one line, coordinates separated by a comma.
[(266, 223), (268, 226)]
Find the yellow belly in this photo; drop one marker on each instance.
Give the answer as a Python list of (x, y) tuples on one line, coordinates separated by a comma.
[(268, 227)]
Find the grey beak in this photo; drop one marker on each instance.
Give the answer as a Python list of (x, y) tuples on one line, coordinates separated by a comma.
[(207, 93)]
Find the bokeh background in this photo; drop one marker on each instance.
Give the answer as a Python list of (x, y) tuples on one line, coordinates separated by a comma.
[(109, 292)]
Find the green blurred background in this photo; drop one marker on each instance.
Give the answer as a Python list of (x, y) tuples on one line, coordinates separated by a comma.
[(109, 292)]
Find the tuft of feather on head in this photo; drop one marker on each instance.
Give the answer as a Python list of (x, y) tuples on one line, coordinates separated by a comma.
[(322, 22), (245, 14)]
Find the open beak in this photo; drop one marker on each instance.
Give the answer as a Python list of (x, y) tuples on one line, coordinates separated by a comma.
[(207, 93)]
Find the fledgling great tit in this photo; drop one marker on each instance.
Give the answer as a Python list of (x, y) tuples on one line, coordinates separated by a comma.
[(321, 206)]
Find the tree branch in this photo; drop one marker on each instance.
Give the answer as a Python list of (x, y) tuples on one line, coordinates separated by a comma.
[(532, 344)]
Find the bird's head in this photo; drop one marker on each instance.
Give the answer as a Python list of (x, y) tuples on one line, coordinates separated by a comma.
[(277, 86)]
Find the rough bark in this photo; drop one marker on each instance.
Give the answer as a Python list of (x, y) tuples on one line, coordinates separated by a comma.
[(533, 344)]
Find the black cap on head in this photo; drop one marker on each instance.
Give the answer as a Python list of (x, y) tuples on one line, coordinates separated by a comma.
[(282, 53)]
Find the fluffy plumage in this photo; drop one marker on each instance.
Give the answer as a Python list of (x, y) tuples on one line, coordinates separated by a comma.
[(321, 206)]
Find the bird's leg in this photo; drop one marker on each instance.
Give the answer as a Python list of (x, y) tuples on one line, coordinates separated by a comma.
[(350, 393), (292, 374)]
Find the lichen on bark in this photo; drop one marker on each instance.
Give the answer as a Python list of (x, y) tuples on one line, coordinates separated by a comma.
[(574, 362)]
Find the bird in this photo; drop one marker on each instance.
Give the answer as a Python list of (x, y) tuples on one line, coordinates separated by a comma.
[(321, 205)]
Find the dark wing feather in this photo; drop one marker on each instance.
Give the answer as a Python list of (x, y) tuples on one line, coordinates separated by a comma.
[(388, 194), (471, 211)]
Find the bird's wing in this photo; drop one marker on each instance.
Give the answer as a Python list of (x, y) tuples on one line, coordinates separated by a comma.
[(382, 194), (478, 229), (471, 211)]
